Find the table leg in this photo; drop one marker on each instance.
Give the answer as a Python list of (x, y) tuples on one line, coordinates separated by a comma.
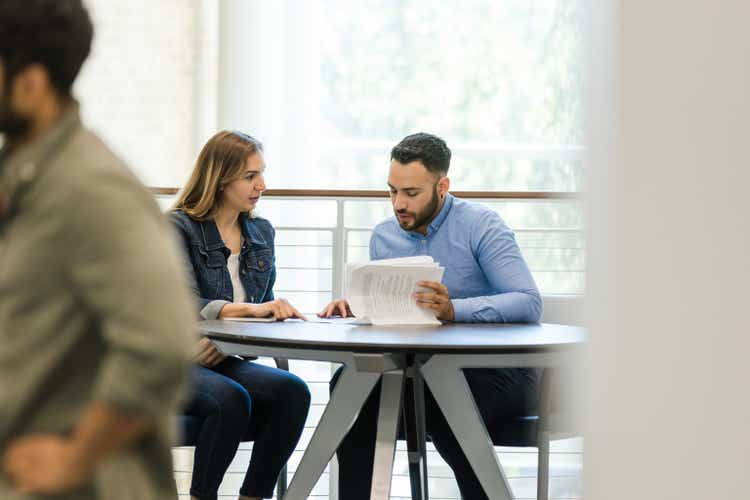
[(385, 445), (415, 430), (347, 399), (451, 391)]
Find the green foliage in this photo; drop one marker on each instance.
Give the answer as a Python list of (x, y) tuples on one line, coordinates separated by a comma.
[(474, 70)]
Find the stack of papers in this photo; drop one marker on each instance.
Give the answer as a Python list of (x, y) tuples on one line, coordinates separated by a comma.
[(381, 292)]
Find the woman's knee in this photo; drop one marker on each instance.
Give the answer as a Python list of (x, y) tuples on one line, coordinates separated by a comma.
[(296, 391), (234, 402), (289, 395)]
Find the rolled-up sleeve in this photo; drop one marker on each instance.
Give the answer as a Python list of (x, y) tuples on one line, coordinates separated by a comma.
[(212, 308), (126, 271)]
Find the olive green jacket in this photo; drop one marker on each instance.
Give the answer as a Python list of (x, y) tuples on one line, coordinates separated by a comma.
[(93, 307)]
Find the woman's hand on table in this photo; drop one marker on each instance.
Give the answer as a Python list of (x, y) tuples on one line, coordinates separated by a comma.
[(280, 309)]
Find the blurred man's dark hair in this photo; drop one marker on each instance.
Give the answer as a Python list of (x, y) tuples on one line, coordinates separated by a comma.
[(429, 149), (55, 34)]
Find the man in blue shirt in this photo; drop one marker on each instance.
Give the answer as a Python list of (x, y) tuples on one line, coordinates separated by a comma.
[(486, 280)]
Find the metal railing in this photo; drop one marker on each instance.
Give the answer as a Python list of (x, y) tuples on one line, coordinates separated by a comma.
[(339, 234), (374, 193)]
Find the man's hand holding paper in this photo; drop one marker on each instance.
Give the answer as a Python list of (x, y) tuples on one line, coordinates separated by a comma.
[(437, 299)]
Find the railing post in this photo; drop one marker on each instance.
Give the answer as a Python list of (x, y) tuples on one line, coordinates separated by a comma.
[(339, 274), (339, 251)]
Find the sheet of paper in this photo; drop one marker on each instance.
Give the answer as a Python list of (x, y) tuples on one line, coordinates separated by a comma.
[(415, 261), (334, 320), (384, 294), (270, 319)]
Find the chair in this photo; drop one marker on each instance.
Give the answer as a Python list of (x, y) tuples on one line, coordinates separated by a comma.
[(555, 419), (190, 427)]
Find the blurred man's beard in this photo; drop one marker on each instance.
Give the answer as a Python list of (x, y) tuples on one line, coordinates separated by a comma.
[(423, 217), (12, 125)]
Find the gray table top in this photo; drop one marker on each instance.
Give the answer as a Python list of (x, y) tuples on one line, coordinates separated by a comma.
[(453, 338)]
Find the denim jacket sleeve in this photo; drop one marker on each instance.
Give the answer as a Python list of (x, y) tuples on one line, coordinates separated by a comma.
[(207, 308)]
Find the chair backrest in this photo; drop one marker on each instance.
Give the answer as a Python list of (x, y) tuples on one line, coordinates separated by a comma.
[(563, 309), (561, 386)]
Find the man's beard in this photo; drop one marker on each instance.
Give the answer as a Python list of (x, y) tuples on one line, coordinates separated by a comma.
[(12, 125), (423, 217)]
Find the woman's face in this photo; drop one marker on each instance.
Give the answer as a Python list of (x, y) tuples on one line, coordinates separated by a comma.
[(243, 194)]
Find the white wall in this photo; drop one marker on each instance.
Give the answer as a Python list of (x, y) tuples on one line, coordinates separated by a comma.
[(669, 248), (142, 85)]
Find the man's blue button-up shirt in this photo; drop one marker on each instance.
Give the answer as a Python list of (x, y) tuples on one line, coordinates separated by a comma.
[(486, 275)]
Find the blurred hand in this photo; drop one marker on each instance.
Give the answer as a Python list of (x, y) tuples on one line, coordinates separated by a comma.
[(208, 355), (45, 464), (436, 299), (280, 309), (336, 308)]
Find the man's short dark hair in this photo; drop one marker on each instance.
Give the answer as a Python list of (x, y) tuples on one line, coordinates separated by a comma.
[(430, 149), (53, 33)]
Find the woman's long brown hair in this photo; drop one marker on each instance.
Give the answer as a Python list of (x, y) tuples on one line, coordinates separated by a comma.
[(221, 161)]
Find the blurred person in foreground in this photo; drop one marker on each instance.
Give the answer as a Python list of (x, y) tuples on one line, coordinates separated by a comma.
[(95, 322)]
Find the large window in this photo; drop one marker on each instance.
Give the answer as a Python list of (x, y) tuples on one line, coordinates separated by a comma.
[(499, 80)]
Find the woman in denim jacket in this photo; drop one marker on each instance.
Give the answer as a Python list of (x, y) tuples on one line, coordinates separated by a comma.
[(231, 253)]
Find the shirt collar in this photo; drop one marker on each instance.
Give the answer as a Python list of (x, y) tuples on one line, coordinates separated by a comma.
[(437, 221), (19, 168)]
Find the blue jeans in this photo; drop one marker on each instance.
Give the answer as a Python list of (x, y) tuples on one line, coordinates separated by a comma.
[(244, 401), (498, 393)]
